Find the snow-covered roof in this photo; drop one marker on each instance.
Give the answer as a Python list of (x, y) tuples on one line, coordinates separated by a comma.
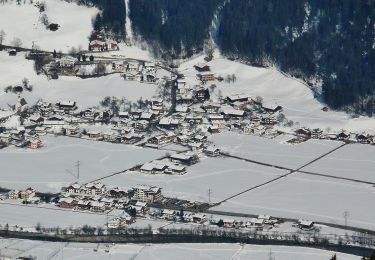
[(97, 204), (305, 222), (67, 103), (140, 204), (66, 200), (233, 112), (266, 217), (68, 59), (168, 212)]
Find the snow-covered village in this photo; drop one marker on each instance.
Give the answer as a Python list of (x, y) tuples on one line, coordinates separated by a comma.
[(117, 145)]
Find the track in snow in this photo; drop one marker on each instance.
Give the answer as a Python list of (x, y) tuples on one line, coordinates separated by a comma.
[(291, 171)]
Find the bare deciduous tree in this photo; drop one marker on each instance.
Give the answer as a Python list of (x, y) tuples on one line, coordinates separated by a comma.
[(2, 36), (17, 42), (100, 68), (44, 19), (259, 100)]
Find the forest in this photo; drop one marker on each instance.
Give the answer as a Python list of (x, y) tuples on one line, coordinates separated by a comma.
[(330, 41), (181, 27), (112, 16), (327, 42)]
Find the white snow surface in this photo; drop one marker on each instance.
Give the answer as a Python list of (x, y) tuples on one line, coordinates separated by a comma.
[(28, 216), (309, 197), (224, 177), (355, 161), (46, 169), (272, 151), (23, 22), (42, 250), (86, 92)]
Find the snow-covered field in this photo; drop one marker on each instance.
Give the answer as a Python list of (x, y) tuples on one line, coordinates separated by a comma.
[(309, 197), (224, 177), (272, 151), (29, 216), (46, 169), (87, 92), (296, 98), (355, 161), (13, 248), (23, 22)]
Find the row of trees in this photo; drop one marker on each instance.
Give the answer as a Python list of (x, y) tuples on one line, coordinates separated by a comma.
[(16, 42), (115, 105)]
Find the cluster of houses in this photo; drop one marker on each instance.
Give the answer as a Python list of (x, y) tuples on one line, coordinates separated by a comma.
[(306, 133), (137, 71), (97, 197), (259, 223), (140, 201), (28, 195), (194, 119), (19, 137), (103, 45), (174, 164), (100, 42), (86, 66)]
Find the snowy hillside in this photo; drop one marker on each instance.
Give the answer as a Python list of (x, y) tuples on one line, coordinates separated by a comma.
[(24, 22), (297, 100)]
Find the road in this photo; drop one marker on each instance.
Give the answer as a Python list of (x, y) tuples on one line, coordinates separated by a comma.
[(245, 215)]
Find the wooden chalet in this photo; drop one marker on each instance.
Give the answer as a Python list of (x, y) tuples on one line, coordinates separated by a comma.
[(212, 151), (185, 159), (210, 107), (343, 136), (132, 138), (303, 132), (67, 203)]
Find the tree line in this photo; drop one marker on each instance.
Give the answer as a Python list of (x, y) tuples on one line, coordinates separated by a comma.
[(180, 27), (111, 18)]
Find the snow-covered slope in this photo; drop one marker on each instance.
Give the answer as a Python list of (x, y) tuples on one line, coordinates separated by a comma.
[(24, 21), (296, 98)]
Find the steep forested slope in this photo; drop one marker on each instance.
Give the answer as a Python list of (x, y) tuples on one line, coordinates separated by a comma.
[(176, 25), (313, 39), (332, 40), (112, 17)]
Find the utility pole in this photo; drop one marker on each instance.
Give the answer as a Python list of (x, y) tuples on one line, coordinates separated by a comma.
[(78, 164), (209, 195), (270, 256), (346, 215), (107, 220)]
